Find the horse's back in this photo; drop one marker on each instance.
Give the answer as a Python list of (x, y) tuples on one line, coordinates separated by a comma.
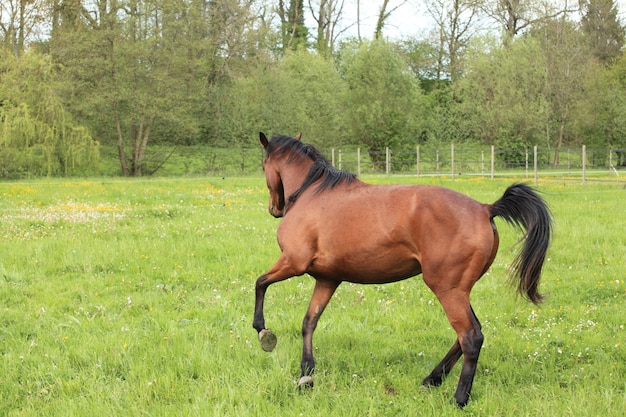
[(382, 233)]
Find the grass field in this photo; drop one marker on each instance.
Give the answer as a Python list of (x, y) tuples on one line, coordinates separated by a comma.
[(135, 298)]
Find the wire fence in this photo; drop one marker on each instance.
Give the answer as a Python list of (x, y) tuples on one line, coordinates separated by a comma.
[(571, 163)]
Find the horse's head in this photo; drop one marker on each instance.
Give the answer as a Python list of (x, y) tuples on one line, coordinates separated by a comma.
[(272, 177)]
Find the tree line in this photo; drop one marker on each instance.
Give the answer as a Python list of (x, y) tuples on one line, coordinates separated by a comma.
[(78, 77)]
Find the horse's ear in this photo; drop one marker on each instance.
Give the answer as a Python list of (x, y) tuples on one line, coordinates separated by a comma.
[(298, 136), (263, 139)]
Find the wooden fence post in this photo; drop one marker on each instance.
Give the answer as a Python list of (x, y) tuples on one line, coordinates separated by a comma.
[(482, 163), (337, 159), (584, 164), (569, 163), (452, 158), (493, 160), (387, 161), (526, 162), (535, 164), (418, 160), (612, 167)]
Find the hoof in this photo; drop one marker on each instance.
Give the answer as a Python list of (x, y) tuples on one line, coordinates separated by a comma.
[(305, 382), (424, 388), (460, 403), (430, 382), (268, 340)]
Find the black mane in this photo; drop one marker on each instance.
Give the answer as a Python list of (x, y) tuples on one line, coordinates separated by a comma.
[(321, 168)]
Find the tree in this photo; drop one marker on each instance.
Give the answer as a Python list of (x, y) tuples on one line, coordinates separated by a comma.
[(383, 101), (422, 58), (568, 65), (455, 24), (501, 98), (383, 14), (146, 69), (604, 32), (599, 119), (37, 135), (19, 21), (128, 63), (294, 33), (312, 98), (327, 17), (516, 16), (301, 93)]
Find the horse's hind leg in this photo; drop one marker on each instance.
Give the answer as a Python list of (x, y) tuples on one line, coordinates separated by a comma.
[(280, 271), (471, 344), (447, 363), (322, 294), (470, 338), (444, 367)]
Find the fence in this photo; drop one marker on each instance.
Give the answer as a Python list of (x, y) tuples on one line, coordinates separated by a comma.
[(584, 164)]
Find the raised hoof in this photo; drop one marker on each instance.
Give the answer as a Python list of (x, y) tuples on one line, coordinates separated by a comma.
[(268, 340), (305, 382)]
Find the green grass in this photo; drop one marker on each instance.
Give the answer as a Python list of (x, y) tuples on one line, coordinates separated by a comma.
[(122, 297)]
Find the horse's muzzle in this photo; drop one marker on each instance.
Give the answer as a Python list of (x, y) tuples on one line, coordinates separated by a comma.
[(275, 212)]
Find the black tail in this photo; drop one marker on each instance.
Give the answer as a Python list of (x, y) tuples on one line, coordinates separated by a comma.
[(523, 208)]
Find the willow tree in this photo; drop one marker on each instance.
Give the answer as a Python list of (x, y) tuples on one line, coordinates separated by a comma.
[(37, 135)]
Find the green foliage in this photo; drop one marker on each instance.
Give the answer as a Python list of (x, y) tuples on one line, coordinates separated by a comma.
[(294, 33), (148, 75), (124, 297), (383, 100), (422, 58), (603, 29), (149, 72), (503, 100), (301, 93), (601, 117), (563, 48), (37, 135)]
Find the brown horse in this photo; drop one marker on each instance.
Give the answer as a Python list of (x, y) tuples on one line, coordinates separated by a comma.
[(337, 228)]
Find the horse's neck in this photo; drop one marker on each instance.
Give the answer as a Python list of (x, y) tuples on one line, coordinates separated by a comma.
[(293, 175)]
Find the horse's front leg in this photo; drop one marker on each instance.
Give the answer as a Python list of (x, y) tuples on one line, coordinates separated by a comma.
[(322, 294), (280, 271)]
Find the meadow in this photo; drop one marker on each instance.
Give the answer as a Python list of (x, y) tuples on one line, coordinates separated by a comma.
[(135, 298)]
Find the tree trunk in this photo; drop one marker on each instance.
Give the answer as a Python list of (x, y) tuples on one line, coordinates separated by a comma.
[(143, 144), (120, 146), (559, 142)]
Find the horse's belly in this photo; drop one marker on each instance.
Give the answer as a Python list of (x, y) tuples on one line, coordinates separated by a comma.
[(367, 267)]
